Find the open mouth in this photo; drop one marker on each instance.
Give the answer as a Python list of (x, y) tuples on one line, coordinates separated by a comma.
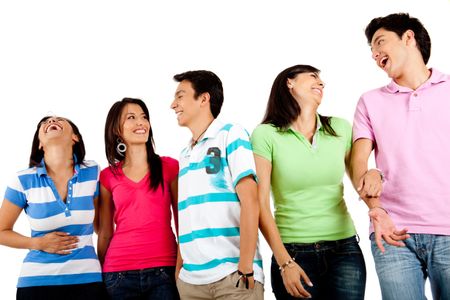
[(383, 62), (140, 131), (53, 127)]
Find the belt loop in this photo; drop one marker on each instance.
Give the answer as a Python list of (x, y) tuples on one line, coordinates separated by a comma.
[(357, 238)]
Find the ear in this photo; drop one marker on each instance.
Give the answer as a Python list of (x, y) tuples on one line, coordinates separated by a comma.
[(40, 147), (409, 37), (75, 138), (289, 84), (204, 99)]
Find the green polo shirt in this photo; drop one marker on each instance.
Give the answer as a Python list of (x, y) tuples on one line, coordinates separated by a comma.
[(306, 181)]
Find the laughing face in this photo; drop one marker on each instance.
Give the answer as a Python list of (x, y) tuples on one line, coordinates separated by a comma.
[(135, 125), (390, 52), (307, 87), (56, 129)]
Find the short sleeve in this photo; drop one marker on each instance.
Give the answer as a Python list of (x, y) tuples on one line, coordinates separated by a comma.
[(362, 127), (105, 178), (97, 189), (15, 193), (261, 141), (170, 168), (239, 154), (346, 133)]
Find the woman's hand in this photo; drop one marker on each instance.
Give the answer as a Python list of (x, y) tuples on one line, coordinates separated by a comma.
[(293, 275), (56, 242), (370, 185)]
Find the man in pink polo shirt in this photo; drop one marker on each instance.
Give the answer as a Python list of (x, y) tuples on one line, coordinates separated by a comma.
[(406, 123)]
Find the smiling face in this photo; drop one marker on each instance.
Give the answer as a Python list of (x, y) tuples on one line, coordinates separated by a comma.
[(390, 52), (56, 130), (306, 88), (185, 105), (134, 125)]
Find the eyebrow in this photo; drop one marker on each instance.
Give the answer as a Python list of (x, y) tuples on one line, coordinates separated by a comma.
[(179, 92), (377, 38)]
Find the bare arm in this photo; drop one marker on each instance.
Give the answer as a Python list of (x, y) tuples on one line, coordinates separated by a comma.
[(247, 193), (54, 242), (368, 186), (293, 273), (106, 226), (96, 215), (174, 199)]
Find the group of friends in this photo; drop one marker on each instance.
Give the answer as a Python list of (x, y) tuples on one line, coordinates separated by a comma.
[(218, 192)]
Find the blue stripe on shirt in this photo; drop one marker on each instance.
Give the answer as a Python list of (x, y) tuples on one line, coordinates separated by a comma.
[(244, 174), (59, 280), (81, 229), (209, 232), (212, 197), (200, 165), (214, 263), (233, 146)]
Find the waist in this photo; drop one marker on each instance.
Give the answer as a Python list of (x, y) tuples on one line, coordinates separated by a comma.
[(321, 245)]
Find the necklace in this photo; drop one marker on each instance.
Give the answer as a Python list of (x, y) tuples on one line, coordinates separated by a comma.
[(194, 142)]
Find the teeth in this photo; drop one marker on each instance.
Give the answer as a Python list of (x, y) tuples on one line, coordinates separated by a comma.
[(140, 131)]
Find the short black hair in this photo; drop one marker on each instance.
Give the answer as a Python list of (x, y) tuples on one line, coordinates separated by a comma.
[(205, 82), (400, 23)]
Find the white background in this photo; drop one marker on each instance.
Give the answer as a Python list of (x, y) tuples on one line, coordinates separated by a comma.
[(74, 59)]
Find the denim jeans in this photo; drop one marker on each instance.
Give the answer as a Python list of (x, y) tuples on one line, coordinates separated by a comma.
[(336, 269), (153, 283), (402, 271)]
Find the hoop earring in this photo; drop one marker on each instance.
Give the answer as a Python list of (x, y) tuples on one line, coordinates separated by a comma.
[(121, 147)]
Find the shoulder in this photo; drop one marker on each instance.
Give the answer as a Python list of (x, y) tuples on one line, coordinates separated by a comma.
[(28, 171), (265, 128), (340, 125), (89, 164), (169, 161)]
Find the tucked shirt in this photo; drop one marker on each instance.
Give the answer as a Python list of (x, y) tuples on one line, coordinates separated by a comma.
[(306, 181), (143, 237), (209, 207), (35, 192), (409, 129)]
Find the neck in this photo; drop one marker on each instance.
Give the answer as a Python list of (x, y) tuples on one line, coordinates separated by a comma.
[(58, 160), (306, 121), (135, 156), (199, 128), (414, 77)]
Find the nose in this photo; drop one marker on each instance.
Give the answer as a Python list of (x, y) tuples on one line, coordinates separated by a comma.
[(375, 54), (174, 104)]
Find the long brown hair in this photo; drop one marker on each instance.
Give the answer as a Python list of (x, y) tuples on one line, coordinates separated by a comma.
[(112, 129)]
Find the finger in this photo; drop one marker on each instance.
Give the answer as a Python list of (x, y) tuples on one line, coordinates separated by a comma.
[(401, 232), (378, 241), (251, 283), (392, 242), (360, 184), (61, 233), (63, 252)]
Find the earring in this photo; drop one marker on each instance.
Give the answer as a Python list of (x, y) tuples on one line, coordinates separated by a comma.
[(121, 147)]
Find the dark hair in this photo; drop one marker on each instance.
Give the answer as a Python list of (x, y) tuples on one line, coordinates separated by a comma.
[(112, 129), (205, 82), (400, 23), (282, 108), (37, 154)]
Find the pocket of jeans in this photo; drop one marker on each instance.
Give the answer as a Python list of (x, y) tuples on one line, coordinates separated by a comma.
[(167, 273), (112, 279)]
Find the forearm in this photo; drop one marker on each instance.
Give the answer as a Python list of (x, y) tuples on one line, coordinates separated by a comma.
[(270, 231), (102, 246), (248, 234), (13, 239)]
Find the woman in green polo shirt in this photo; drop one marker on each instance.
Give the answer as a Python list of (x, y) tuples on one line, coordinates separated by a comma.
[(303, 156)]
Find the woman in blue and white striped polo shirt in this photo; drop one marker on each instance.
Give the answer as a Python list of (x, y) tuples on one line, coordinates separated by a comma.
[(58, 193)]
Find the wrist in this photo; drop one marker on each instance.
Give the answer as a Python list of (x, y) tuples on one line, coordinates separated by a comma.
[(35, 243), (380, 208), (288, 264)]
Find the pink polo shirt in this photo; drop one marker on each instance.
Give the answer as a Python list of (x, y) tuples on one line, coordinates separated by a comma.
[(411, 133), (143, 237)]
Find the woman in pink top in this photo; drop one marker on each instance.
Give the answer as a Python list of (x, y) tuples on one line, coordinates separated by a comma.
[(137, 193)]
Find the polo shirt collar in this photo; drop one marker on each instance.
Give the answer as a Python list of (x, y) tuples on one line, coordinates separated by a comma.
[(436, 77), (211, 132)]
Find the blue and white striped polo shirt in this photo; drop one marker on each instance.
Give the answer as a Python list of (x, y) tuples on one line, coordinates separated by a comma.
[(34, 191), (209, 207)]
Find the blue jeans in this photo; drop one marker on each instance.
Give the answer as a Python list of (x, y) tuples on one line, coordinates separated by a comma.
[(402, 271), (153, 283), (336, 268)]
